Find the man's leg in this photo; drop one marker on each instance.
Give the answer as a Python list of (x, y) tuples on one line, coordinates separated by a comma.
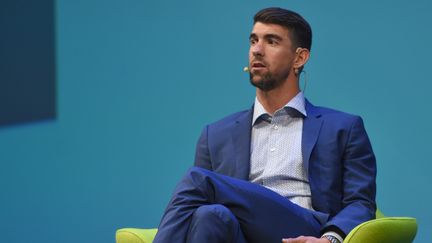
[(214, 223), (264, 215)]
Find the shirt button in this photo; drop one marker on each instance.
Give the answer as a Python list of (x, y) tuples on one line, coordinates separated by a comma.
[(272, 149), (275, 127)]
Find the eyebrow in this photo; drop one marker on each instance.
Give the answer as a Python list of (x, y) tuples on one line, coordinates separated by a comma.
[(266, 36)]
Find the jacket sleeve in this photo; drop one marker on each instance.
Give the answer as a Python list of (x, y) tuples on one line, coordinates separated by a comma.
[(359, 186)]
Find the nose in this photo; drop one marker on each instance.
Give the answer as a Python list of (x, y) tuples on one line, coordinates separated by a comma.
[(257, 49)]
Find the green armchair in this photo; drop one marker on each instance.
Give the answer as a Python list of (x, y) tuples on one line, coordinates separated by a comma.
[(380, 230)]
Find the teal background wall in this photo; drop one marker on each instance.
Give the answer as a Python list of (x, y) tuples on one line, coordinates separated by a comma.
[(137, 81)]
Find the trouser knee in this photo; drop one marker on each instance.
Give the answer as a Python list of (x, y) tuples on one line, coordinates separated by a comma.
[(215, 222), (209, 213), (196, 173)]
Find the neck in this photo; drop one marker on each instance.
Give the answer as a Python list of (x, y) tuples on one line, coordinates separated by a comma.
[(275, 99)]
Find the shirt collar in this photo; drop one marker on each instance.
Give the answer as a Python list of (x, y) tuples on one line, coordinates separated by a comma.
[(297, 102)]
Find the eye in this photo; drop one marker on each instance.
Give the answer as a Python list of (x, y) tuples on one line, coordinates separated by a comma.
[(252, 41), (272, 42)]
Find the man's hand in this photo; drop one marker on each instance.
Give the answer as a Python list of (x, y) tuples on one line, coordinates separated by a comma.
[(305, 239)]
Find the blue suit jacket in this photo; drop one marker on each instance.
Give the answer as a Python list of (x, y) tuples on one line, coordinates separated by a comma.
[(336, 151)]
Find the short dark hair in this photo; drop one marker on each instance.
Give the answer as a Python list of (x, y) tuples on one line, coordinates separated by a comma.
[(300, 30)]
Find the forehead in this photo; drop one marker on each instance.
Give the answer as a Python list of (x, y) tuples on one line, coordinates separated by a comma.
[(262, 29)]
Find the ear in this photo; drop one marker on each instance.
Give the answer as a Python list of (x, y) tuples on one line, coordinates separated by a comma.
[(302, 56)]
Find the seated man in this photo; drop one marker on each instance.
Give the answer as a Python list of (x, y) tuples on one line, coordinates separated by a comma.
[(283, 171)]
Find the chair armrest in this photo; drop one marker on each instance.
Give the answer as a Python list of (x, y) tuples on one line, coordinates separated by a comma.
[(133, 235), (384, 230)]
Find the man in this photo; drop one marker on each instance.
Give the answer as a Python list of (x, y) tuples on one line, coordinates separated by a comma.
[(284, 170)]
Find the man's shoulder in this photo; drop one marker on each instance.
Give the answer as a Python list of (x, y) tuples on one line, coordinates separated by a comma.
[(233, 118), (228, 122), (334, 116), (333, 112)]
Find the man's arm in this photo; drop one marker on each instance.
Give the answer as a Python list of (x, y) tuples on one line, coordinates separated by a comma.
[(359, 186), (202, 154)]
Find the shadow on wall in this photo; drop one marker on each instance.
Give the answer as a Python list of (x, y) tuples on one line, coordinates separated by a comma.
[(27, 61)]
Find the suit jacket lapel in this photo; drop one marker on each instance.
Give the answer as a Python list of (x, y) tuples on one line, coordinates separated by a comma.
[(311, 128), (241, 136)]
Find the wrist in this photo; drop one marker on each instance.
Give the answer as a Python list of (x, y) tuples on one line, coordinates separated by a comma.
[(330, 239)]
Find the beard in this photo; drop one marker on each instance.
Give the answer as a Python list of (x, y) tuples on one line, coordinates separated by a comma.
[(268, 81)]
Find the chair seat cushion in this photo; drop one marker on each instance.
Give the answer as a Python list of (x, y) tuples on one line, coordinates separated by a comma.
[(133, 235), (384, 230)]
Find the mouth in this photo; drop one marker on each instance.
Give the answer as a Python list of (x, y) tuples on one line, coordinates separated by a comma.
[(258, 65)]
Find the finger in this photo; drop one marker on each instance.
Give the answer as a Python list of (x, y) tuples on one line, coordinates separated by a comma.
[(292, 240)]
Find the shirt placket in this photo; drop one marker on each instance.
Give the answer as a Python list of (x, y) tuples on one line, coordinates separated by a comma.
[(273, 148)]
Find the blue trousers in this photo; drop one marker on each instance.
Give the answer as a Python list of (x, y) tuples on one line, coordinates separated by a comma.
[(208, 207)]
